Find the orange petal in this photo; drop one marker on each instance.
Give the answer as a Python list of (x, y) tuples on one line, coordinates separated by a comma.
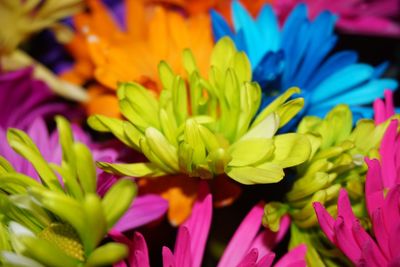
[(102, 101), (179, 191)]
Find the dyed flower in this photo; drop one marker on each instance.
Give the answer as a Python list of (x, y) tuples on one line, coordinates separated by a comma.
[(297, 55), (111, 53), (24, 98), (212, 131), (248, 246), (144, 209), (59, 221), (336, 162), (371, 17)]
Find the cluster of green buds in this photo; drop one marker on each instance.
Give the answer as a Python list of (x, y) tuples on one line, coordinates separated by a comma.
[(207, 127), (61, 220), (336, 161)]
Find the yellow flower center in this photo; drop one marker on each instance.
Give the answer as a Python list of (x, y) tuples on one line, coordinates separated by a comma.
[(65, 238)]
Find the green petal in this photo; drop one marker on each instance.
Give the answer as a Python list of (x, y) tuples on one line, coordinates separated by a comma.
[(96, 225), (107, 254), (160, 146), (274, 105), (145, 169), (166, 75), (250, 152), (24, 146), (242, 67), (291, 149), (263, 174), (117, 200), (85, 168), (288, 110), (115, 126), (5, 166), (46, 253), (264, 129)]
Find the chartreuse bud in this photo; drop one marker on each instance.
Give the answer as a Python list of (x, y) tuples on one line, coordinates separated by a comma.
[(205, 127), (336, 161), (59, 221)]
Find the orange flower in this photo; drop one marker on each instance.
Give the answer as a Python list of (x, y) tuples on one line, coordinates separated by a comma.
[(110, 55)]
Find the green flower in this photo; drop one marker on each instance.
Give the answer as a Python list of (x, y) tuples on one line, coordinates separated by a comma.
[(207, 127), (60, 221), (336, 161)]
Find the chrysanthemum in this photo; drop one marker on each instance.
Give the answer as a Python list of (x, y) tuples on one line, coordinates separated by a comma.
[(370, 17), (336, 162), (112, 54), (61, 220), (299, 54), (382, 195), (248, 247), (208, 129)]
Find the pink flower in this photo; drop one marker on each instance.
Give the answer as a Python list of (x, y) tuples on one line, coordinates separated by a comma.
[(248, 246), (382, 196), (372, 17)]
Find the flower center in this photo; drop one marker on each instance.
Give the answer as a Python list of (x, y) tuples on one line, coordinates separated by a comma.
[(65, 238)]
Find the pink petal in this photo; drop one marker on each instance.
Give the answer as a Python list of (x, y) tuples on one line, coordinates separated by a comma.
[(143, 210), (243, 238), (250, 259), (294, 258), (387, 151), (389, 103), (369, 25), (140, 258), (267, 240), (325, 221), (345, 239), (199, 223), (373, 186), (344, 207), (379, 111), (183, 253), (168, 258), (267, 260), (364, 239)]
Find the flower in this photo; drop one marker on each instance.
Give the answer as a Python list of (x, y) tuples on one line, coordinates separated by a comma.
[(382, 195), (248, 246), (32, 97), (144, 209), (111, 54), (59, 222), (297, 55), (207, 130), (336, 162), (376, 17)]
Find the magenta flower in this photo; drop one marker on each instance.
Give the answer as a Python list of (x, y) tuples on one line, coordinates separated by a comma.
[(23, 99), (382, 196), (143, 210), (248, 246), (371, 17)]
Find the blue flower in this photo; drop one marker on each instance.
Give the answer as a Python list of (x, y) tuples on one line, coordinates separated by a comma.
[(300, 54)]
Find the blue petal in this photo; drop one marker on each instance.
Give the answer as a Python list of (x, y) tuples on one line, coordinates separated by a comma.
[(334, 63), (267, 23), (342, 81), (269, 69), (252, 37), (220, 26), (362, 95)]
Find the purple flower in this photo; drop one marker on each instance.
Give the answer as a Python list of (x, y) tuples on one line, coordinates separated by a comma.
[(23, 99), (248, 246)]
